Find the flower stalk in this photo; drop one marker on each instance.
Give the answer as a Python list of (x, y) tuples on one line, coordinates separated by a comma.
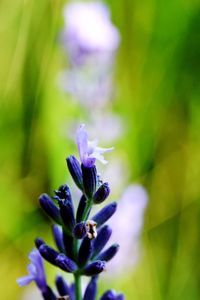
[(80, 247)]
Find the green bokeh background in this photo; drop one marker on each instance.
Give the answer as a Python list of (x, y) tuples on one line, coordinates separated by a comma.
[(157, 81)]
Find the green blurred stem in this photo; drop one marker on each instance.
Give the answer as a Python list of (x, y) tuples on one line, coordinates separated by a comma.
[(78, 295)]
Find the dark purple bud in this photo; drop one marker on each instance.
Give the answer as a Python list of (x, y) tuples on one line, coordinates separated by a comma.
[(62, 286), (101, 194), (65, 263), (39, 242), (58, 238), (105, 213), (94, 268), (89, 180), (109, 253), (48, 294), (68, 241), (48, 253), (63, 193), (67, 213), (85, 251), (101, 240), (81, 209), (109, 295), (50, 208), (75, 171), (91, 290), (80, 230)]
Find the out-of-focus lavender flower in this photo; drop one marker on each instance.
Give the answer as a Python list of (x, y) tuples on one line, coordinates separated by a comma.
[(88, 30), (88, 150), (128, 223), (36, 271), (90, 40)]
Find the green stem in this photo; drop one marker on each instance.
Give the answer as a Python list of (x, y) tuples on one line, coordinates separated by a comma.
[(77, 275), (87, 209), (78, 295)]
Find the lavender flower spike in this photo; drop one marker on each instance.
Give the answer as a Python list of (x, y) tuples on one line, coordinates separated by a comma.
[(88, 150), (36, 271)]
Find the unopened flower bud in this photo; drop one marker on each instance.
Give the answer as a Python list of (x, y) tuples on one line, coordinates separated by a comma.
[(48, 253), (109, 253), (89, 180), (48, 294), (109, 295), (101, 240), (91, 290), (85, 251), (94, 268), (50, 208), (101, 194), (75, 171), (66, 264), (105, 213), (62, 286), (80, 230), (58, 237)]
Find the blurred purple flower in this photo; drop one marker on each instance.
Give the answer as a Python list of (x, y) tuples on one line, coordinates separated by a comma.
[(127, 224), (88, 150), (36, 271), (90, 40), (88, 30)]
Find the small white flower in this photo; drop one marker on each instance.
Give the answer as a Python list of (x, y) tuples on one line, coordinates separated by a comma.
[(88, 150)]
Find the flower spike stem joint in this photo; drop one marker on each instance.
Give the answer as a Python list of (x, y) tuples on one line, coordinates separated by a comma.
[(80, 239)]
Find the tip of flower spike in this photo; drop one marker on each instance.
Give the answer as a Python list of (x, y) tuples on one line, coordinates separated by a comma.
[(88, 150)]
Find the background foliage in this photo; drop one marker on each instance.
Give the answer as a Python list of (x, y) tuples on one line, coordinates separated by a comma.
[(157, 93)]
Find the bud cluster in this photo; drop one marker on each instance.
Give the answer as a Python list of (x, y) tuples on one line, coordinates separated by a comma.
[(80, 239)]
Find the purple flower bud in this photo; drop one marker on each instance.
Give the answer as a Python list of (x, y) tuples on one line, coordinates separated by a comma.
[(68, 241), (105, 213), (50, 208), (94, 268), (101, 194), (89, 180), (109, 295), (48, 294), (63, 193), (75, 171), (67, 210), (101, 240), (81, 209), (91, 290), (109, 253), (39, 242), (80, 230), (65, 263), (48, 253), (58, 238), (62, 286), (85, 251)]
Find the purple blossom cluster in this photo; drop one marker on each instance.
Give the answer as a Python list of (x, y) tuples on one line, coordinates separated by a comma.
[(80, 239)]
